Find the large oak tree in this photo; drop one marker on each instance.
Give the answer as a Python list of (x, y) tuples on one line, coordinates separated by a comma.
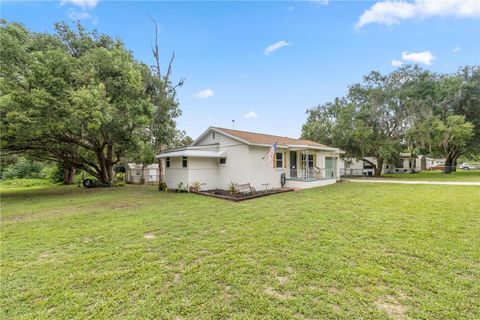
[(75, 97)]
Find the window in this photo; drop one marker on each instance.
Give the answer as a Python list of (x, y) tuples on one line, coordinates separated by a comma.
[(184, 162), (223, 161), (308, 164), (168, 162), (213, 135), (279, 160)]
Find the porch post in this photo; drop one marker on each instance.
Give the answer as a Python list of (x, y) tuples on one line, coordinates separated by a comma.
[(304, 163), (337, 167)]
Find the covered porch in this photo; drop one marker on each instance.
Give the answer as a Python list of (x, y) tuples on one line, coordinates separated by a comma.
[(307, 165)]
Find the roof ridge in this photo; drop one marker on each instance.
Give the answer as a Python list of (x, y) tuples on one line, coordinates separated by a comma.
[(263, 134), (265, 138)]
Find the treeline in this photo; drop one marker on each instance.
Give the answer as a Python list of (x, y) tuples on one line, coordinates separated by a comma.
[(409, 110), (80, 99)]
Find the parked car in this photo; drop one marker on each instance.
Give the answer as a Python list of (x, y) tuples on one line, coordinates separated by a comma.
[(469, 166), (439, 167)]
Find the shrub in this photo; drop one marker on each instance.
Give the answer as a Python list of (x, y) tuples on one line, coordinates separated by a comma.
[(23, 169), (53, 173), (195, 186), (180, 187), (232, 188), (162, 186)]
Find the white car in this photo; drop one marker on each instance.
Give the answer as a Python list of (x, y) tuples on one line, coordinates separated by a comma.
[(469, 166)]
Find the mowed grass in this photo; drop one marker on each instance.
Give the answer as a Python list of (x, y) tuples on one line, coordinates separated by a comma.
[(459, 176), (24, 184), (345, 251)]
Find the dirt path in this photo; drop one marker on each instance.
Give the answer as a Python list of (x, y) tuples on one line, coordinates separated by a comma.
[(450, 183)]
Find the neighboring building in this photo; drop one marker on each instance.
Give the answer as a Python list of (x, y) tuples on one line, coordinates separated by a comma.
[(406, 163), (430, 162), (133, 173), (356, 167), (221, 156)]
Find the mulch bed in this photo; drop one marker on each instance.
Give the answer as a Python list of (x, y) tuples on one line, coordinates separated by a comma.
[(224, 194)]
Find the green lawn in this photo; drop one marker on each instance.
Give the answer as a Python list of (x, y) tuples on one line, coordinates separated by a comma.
[(346, 251), (24, 184), (460, 176)]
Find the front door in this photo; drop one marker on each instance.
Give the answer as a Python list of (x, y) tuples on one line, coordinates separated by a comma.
[(330, 167), (293, 164)]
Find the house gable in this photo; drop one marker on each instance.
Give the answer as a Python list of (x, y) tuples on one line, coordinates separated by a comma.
[(212, 136)]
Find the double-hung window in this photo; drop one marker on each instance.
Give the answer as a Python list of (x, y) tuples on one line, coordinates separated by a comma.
[(279, 160), (168, 162), (184, 162)]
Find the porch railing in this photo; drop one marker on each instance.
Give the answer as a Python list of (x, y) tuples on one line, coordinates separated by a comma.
[(309, 174)]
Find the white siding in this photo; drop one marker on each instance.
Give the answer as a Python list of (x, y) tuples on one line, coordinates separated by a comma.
[(203, 170), (221, 139), (237, 166), (262, 170), (176, 174)]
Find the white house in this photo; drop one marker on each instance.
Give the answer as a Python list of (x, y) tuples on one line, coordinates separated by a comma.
[(221, 156), (133, 173), (406, 163)]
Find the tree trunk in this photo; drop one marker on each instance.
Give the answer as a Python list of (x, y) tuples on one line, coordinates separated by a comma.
[(69, 175), (161, 162), (142, 179), (105, 174), (450, 162), (160, 175), (109, 164), (379, 167)]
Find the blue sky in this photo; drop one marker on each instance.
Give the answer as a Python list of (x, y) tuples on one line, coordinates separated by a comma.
[(264, 63)]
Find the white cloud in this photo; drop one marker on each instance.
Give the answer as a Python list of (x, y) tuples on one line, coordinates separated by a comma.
[(84, 4), (320, 2), (425, 57), (250, 115), (280, 44), (79, 15), (456, 49), (397, 63), (393, 12), (202, 94)]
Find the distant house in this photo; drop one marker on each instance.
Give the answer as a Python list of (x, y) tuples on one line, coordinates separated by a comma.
[(406, 163), (356, 167), (133, 173), (220, 156), (430, 162)]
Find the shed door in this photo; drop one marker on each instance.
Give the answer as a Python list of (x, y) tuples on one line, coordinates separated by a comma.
[(152, 175)]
